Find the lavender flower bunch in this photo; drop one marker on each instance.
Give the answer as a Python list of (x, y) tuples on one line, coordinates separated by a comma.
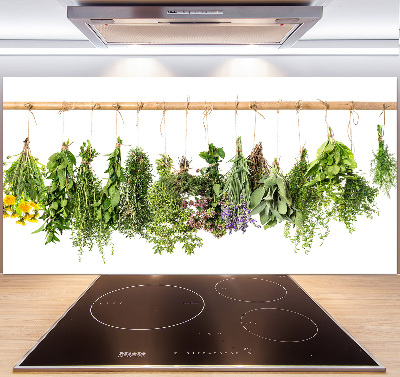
[(237, 216)]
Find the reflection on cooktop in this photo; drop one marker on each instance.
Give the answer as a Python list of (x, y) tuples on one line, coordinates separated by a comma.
[(196, 322)]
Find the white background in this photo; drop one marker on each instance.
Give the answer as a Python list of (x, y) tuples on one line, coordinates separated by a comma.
[(371, 249)]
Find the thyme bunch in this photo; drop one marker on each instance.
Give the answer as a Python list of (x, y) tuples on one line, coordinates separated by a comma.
[(169, 224), (312, 207), (384, 166), (87, 231)]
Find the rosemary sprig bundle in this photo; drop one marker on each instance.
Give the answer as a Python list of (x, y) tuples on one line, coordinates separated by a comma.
[(87, 231), (135, 207), (108, 206)]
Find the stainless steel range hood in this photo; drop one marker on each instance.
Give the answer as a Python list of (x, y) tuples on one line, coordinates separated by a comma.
[(116, 26)]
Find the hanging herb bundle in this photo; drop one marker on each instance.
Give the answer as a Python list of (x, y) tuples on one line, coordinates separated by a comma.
[(236, 206), (356, 198), (258, 166), (135, 208), (272, 200), (60, 194), (333, 163), (185, 183), (310, 203), (169, 224), (206, 214), (384, 166), (346, 194), (86, 229), (107, 207), (24, 187)]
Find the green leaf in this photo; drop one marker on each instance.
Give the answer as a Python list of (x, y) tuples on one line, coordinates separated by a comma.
[(54, 205), (282, 207), (39, 230), (217, 189), (256, 196), (115, 199), (220, 153), (64, 203), (264, 216), (258, 208), (107, 217)]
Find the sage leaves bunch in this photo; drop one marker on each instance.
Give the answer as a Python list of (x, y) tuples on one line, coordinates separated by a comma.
[(60, 194), (24, 187), (384, 166), (169, 224), (135, 206), (107, 207), (87, 231), (272, 200)]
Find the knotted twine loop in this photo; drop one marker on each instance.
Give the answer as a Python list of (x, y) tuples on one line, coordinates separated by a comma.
[(380, 138), (298, 107), (138, 109), (65, 146), (28, 106), (186, 125), (116, 106), (26, 145), (206, 113), (352, 120), (253, 106), (328, 129)]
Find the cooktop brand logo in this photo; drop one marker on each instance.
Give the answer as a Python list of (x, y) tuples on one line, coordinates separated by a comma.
[(131, 354), (191, 303)]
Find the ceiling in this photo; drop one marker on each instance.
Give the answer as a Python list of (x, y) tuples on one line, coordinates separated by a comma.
[(342, 20)]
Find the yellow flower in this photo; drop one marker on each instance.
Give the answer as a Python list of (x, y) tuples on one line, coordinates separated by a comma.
[(21, 222), (27, 216), (33, 220), (9, 200), (24, 207), (14, 215), (5, 214), (34, 205)]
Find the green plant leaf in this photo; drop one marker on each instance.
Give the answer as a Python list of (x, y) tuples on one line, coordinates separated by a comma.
[(256, 197)]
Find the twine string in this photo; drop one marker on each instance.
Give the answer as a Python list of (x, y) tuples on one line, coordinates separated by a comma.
[(117, 107), (29, 108), (165, 132), (94, 106), (299, 106), (353, 120), (186, 125), (64, 108), (138, 109), (236, 114), (277, 128), (253, 106), (384, 118), (328, 129), (206, 113)]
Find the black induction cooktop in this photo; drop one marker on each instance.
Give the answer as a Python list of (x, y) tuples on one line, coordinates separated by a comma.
[(197, 322)]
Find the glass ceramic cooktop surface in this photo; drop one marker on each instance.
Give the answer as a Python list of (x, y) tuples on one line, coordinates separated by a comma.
[(197, 322)]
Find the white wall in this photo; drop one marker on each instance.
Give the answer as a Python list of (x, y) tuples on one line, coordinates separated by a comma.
[(371, 249)]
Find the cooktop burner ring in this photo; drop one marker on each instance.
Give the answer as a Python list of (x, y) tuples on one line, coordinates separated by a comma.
[(278, 340), (151, 328), (249, 301)]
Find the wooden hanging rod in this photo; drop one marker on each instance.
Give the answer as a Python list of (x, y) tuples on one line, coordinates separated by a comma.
[(245, 105)]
